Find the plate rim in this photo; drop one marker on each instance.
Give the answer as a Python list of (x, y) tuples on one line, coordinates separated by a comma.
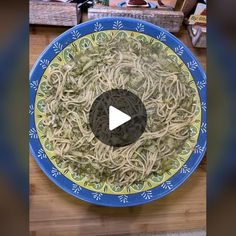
[(136, 196)]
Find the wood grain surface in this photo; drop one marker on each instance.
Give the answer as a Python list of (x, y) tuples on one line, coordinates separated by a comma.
[(170, 20), (53, 13), (54, 212)]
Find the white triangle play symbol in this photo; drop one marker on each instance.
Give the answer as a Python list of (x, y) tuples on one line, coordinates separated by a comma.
[(117, 118)]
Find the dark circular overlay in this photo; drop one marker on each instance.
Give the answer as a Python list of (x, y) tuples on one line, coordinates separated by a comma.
[(126, 102)]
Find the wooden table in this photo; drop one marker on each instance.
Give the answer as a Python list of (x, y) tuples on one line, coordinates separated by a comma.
[(54, 212)]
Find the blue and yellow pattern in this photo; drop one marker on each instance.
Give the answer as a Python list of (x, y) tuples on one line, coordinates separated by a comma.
[(88, 35)]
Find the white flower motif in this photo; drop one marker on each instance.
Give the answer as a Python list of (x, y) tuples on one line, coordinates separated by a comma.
[(33, 133), (167, 185), (179, 50), (34, 85), (184, 169), (31, 109), (140, 27), (203, 106), (75, 34), (97, 196), (41, 154), (203, 127), (98, 27), (198, 149), (161, 36), (76, 188), (147, 194), (192, 65), (57, 47), (117, 25), (55, 172), (44, 63), (123, 198), (201, 84)]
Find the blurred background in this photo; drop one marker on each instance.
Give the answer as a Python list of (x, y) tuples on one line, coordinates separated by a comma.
[(13, 120), (221, 117)]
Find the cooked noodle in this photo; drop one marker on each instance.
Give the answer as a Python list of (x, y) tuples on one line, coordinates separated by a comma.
[(126, 64)]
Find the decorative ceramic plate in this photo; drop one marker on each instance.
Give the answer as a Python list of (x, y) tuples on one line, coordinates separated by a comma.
[(123, 4), (87, 35)]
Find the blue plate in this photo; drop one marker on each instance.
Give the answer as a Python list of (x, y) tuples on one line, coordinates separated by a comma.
[(97, 28), (123, 4)]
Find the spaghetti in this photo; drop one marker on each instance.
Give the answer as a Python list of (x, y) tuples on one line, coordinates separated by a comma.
[(118, 64)]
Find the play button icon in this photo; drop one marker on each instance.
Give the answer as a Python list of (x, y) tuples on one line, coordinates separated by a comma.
[(117, 117)]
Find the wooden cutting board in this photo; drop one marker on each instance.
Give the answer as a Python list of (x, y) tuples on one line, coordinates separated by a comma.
[(54, 212)]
